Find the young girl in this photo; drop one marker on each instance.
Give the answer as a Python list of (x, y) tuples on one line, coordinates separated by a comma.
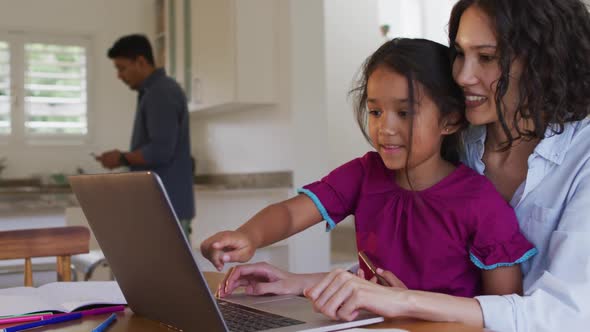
[(433, 222)]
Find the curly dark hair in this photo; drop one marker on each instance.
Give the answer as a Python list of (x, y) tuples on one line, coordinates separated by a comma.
[(552, 39), (420, 61)]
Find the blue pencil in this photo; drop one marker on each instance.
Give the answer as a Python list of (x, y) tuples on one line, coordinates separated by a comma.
[(55, 320), (103, 326)]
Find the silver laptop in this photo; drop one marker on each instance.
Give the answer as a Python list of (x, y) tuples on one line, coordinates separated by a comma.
[(138, 232)]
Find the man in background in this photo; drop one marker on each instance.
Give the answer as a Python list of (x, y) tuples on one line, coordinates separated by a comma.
[(160, 141)]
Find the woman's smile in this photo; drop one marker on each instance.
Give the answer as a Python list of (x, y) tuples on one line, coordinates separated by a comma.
[(473, 100)]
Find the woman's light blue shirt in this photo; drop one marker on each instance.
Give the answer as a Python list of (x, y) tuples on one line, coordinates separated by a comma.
[(553, 209)]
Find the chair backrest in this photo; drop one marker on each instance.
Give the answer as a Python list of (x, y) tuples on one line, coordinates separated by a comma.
[(61, 242)]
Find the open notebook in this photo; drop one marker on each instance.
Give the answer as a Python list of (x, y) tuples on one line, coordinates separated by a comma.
[(59, 296)]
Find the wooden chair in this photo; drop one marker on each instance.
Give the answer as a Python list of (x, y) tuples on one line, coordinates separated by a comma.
[(61, 242)]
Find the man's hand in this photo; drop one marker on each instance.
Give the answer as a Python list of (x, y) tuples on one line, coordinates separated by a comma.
[(110, 159)]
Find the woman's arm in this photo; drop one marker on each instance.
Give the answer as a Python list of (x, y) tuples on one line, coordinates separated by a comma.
[(502, 280), (499, 281), (340, 295), (444, 308)]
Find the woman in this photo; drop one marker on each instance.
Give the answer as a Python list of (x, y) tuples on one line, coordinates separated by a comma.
[(524, 69)]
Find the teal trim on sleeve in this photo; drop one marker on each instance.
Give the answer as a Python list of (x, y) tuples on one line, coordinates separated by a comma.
[(522, 259), (320, 206)]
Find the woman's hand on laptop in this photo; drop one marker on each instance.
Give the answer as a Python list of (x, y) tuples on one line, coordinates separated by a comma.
[(227, 246), (263, 278), (340, 296)]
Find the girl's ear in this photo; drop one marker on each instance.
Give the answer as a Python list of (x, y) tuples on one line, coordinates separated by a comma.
[(451, 123)]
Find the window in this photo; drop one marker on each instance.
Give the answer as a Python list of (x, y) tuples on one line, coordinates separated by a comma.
[(52, 100), (55, 89)]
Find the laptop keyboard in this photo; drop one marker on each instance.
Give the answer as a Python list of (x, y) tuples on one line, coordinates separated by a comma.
[(240, 318)]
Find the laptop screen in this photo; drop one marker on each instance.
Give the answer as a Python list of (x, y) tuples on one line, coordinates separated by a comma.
[(138, 232)]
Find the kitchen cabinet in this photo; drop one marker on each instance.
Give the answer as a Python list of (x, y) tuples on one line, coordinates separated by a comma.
[(171, 43), (233, 54)]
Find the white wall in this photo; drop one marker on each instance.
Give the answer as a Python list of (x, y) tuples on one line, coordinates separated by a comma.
[(256, 140), (417, 18), (325, 65), (309, 122), (436, 14), (312, 129), (351, 35), (289, 136), (402, 16), (263, 140), (253, 140), (112, 104)]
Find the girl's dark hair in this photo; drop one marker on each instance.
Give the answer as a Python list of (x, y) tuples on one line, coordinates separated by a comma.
[(420, 61), (552, 39)]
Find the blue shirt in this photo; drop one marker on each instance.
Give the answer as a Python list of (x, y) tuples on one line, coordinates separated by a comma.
[(553, 209), (161, 132)]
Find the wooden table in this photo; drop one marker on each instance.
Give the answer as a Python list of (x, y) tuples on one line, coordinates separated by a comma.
[(129, 322)]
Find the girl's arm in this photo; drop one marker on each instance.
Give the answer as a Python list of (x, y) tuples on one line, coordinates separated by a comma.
[(272, 224), (502, 280), (281, 220), (262, 278)]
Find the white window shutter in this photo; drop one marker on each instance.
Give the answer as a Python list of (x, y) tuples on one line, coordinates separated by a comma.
[(55, 89)]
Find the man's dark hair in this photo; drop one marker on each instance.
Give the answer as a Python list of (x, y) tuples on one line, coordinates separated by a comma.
[(131, 47)]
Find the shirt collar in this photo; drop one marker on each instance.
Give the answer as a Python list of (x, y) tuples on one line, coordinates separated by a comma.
[(474, 134), (149, 81), (553, 147)]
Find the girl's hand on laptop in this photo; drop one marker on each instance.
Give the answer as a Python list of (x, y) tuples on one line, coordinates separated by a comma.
[(340, 296), (227, 246), (263, 278)]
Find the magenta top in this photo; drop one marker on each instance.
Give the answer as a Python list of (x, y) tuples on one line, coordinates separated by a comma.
[(436, 239)]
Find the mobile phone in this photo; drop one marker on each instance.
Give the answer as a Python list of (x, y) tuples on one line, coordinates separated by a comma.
[(365, 259)]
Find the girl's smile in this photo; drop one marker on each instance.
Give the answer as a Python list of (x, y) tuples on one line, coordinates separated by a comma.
[(390, 148)]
